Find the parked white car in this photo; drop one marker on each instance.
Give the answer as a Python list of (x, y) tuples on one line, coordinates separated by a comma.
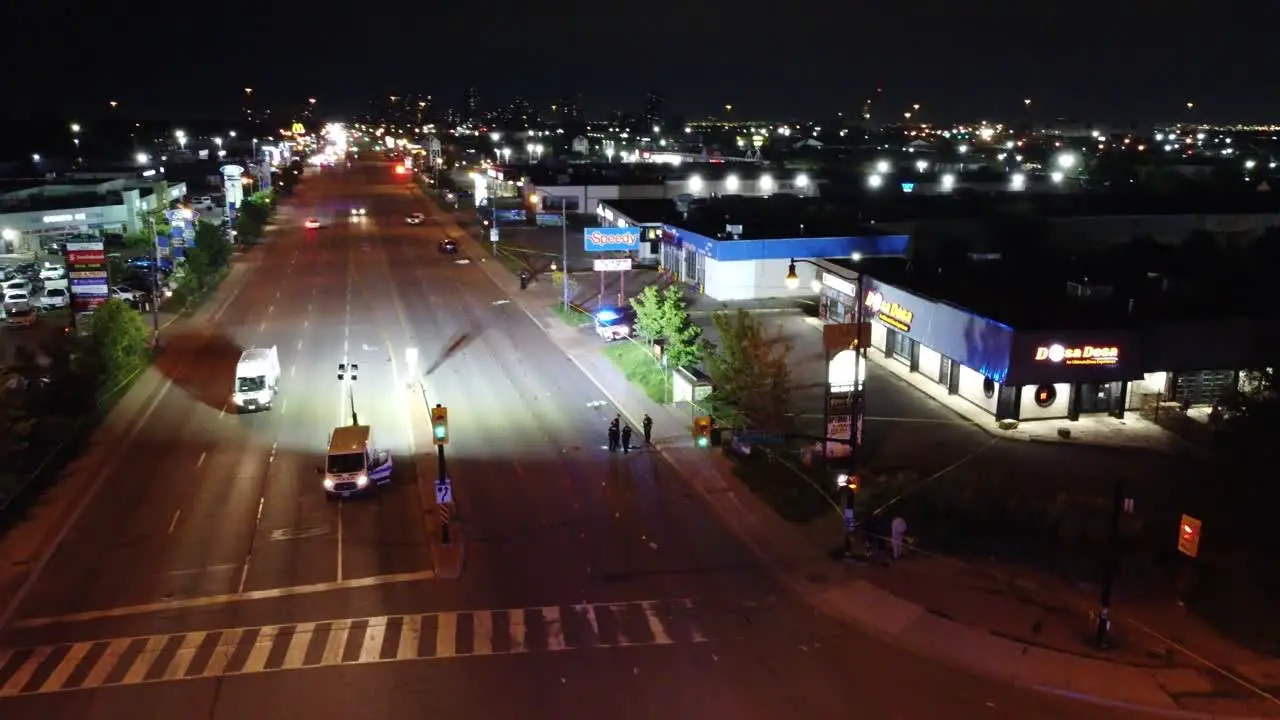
[(126, 294), (53, 298), (53, 272), (21, 285)]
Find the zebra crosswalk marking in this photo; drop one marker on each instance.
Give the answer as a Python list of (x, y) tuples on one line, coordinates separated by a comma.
[(410, 636), (371, 648), (555, 632), (446, 634), (361, 641), (481, 634)]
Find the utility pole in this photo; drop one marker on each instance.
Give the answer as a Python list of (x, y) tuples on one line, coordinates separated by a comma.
[(155, 280), (564, 251), (1109, 566)]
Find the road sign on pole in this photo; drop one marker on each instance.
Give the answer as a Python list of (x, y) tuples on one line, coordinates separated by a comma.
[(444, 491)]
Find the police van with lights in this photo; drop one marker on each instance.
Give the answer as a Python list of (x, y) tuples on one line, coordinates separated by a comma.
[(614, 323), (352, 464)]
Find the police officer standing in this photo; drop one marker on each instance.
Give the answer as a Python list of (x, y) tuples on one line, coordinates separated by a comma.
[(647, 426), (613, 435), (626, 439)]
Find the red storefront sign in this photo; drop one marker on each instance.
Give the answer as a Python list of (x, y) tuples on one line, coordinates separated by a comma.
[(82, 304), (86, 257)]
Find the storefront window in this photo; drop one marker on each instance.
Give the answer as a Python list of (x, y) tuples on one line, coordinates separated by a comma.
[(901, 346), (988, 388), (1046, 395)]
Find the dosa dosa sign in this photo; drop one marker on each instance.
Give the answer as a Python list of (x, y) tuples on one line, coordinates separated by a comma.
[(1084, 355), (611, 239)]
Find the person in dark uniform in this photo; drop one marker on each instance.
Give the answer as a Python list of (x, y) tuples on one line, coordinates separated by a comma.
[(626, 438), (524, 279), (613, 435), (646, 425)]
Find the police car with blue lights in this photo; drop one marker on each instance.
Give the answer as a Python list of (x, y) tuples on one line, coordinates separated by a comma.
[(614, 323)]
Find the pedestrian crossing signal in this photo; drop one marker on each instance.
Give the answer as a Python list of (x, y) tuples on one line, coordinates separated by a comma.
[(702, 431), (440, 424), (1189, 536)]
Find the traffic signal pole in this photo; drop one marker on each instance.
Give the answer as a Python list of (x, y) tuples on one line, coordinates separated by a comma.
[(444, 514)]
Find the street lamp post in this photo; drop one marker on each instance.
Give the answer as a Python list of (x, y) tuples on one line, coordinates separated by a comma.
[(850, 404)]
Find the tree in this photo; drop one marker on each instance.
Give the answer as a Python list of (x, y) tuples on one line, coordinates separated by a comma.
[(661, 315), (215, 247), (749, 372), (117, 342)]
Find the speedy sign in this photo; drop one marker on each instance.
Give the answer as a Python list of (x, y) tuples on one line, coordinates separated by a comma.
[(611, 239)]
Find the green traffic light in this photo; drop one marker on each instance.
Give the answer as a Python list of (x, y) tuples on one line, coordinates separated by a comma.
[(440, 432), (702, 442)]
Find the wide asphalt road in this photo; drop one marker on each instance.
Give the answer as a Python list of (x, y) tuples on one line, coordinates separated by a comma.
[(212, 579)]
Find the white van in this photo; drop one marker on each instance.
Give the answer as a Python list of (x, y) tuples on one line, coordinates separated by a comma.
[(352, 464), (257, 379)]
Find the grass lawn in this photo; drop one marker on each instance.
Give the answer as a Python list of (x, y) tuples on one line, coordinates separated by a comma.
[(639, 366), (573, 317)]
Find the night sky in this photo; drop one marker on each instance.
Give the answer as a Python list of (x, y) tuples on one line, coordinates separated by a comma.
[(1118, 62)]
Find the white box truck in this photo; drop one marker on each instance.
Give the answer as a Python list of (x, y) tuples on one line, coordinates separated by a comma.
[(257, 379)]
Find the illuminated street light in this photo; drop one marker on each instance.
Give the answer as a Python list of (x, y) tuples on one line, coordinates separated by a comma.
[(1017, 182), (218, 141), (875, 181), (948, 182), (1067, 160), (182, 139), (802, 180), (922, 165), (766, 184), (731, 183), (882, 166), (695, 184), (793, 279), (1057, 177), (142, 158), (75, 127)]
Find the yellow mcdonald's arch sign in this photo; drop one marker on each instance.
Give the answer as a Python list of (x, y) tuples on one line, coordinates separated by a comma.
[(298, 129)]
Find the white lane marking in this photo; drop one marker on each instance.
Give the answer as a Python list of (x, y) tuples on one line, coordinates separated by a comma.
[(222, 412), (202, 457), (270, 459), (305, 324), (244, 576), (262, 326), (292, 369), (271, 309), (299, 344), (174, 522), (284, 404)]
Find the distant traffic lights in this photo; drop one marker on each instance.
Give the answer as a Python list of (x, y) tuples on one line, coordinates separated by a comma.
[(702, 431), (440, 424)]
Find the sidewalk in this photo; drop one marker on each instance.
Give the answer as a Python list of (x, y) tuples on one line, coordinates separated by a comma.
[(1029, 629)]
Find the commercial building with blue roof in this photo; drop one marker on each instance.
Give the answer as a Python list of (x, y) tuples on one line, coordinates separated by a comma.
[(740, 248)]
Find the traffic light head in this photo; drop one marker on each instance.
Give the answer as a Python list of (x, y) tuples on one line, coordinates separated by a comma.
[(440, 424), (702, 431)]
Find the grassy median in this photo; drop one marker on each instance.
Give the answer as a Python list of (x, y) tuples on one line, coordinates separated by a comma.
[(573, 316), (639, 366)]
